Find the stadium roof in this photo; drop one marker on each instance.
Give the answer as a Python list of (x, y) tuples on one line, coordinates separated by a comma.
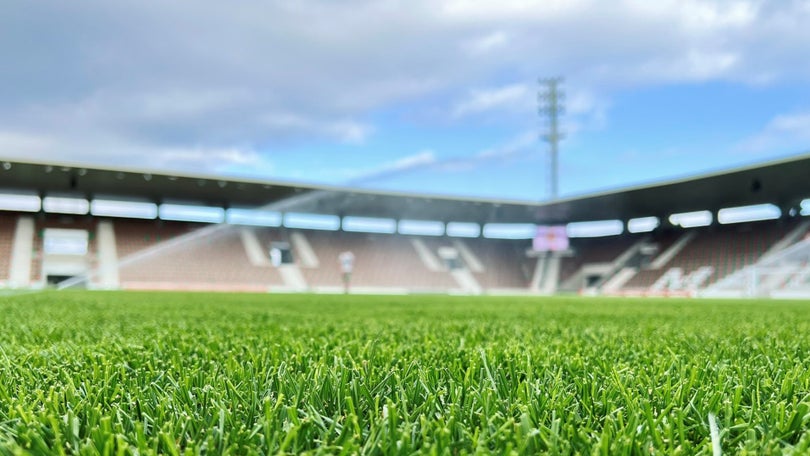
[(784, 183)]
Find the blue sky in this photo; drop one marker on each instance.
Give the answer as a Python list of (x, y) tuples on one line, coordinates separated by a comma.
[(431, 96)]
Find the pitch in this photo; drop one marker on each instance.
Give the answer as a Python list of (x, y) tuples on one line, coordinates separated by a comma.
[(177, 373)]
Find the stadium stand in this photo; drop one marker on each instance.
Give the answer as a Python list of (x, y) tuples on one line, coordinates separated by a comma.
[(133, 253), (782, 271), (394, 263), (648, 273), (8, 223), (135, 235), (712, 253), (595, 251), (382, 261), (506, 266), (219, 262)]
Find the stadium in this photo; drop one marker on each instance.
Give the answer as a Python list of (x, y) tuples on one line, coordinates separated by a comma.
[(422, 227), (736, 233)]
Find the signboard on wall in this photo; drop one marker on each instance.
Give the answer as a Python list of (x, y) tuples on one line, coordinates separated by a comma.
[(550, 239), (58, 241)]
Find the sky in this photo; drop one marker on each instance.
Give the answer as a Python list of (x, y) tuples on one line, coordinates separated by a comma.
[(429, 96)]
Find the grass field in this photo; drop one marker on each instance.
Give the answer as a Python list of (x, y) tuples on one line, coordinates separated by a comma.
[(173, 373)]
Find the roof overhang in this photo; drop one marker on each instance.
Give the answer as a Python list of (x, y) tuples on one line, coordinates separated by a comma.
[(783, 182)]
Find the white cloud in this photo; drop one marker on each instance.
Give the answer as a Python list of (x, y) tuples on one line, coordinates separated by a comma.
[(692, 66), (796, 124), (403, 165), (487, 43), (520, 147), (345, 130), (509, 10), (19, 144), (349, 131), (100, 79), (583, 109), (507, 97), (173, 103), (203, 158), (97, 148), (426, 157), (786, 132)]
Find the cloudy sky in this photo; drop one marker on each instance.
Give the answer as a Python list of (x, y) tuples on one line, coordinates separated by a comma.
[(433, 96)]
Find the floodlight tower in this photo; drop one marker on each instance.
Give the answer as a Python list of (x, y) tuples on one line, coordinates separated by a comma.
[(550, 100)]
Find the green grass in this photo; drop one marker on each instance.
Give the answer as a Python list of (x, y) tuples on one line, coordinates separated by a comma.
[(171, 373)]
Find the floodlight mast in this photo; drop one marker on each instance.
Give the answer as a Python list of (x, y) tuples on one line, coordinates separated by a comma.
[(550, 100)]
